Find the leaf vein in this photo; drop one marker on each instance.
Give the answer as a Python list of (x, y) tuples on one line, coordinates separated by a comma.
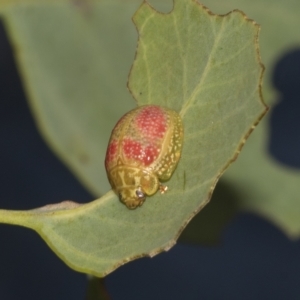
[(196, 90)]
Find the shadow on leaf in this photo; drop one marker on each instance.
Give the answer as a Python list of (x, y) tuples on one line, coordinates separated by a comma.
[(207, 227)]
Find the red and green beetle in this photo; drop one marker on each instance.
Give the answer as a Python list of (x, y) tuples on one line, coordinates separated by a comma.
[(143, 151)]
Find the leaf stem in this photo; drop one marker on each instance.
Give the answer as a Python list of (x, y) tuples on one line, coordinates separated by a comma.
[(17, 217)]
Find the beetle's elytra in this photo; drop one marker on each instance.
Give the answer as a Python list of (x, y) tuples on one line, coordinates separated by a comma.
[(143, 150)]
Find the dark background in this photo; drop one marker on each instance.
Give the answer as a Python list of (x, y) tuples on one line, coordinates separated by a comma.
[(255, 260)]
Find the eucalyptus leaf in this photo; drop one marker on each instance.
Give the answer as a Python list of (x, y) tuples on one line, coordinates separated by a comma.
[(264, 185), (207, 67), (75, 73)]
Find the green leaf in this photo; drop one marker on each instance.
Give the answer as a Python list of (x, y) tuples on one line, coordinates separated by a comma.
[(71, 68), (278, 34), (205, 66), (264, 185)]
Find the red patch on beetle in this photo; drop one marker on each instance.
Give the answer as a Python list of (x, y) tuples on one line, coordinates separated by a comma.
[(131, 149), (152, 122), (111, 152), (136, 151), (151, 153)]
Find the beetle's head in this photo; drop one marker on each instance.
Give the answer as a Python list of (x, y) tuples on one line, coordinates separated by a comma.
[(132, 196)]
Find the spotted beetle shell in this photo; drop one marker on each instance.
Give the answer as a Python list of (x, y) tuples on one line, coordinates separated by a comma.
[(143, 150)]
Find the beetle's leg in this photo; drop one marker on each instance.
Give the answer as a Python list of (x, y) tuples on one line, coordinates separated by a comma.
[(162, 188)]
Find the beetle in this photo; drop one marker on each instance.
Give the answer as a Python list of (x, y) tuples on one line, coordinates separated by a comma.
[(143, 151)]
